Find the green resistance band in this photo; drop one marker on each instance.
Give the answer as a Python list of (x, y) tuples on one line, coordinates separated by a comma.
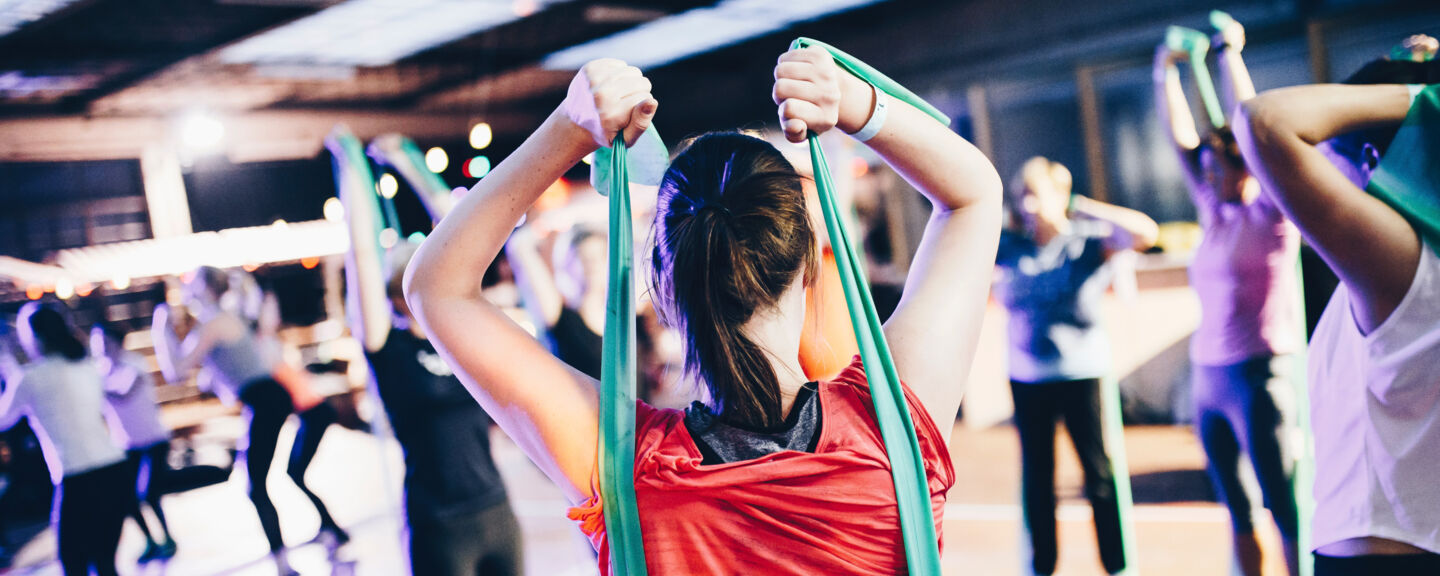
[(1303, 481), (353, 164), (1197, 44), (917, 523), (1114, 430), (616, 457), (404, 157), (1406, 178)]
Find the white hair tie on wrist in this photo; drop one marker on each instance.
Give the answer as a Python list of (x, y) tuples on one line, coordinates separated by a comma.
[(877, 117)]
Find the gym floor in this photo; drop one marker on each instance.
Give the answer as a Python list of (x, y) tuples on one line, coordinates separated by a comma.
[(1179, 529)]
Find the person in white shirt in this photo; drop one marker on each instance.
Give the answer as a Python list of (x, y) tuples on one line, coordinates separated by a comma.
[(1374, 390), (134, 418), (61, 392)]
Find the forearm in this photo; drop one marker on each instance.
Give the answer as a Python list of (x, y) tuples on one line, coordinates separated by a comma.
[(1236, 85), (533, 278), (1142, 230), (366, 303), (452, 261), (946, 168), (1309, 115), (1172, 106), (166, 348)]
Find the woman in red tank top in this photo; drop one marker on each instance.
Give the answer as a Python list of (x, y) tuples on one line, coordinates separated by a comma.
[(774, 474)]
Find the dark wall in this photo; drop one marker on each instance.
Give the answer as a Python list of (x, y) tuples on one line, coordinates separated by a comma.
[(48, 206), (225, 195)]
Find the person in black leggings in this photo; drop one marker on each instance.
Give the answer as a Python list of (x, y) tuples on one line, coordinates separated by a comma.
[(1053, 273), (236, 357), (61, 393), (134, 418), (457, 512)]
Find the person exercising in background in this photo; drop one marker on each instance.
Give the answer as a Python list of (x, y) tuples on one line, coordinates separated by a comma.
[(1052, 275), (234, 354), (1244, 273), (134, 417), (1374, 389), (571, 301), (61, 393), (456, 508)]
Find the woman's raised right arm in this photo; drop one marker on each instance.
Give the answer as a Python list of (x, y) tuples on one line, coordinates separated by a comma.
[(547, 408), (1372, 247)]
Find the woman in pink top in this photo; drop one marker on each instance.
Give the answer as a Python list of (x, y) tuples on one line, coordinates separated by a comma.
[(734, 252), (1244, 273)]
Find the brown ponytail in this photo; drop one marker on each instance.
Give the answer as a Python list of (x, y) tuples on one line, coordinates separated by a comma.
[(731, 234)]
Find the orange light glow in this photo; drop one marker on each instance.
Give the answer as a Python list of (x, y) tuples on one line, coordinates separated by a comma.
[(309, 263), (34, 291), (84, 289), (250, 267), (557, 195), (859, 167)]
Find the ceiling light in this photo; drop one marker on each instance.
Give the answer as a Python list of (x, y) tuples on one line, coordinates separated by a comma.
[(477, 167), (481, 135), (334, 210), (376, 32), (697, 31), (201, 132), (389, 185), (436, 160)]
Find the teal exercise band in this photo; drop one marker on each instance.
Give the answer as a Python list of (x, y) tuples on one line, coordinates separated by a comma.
[(907, 466), (359, 167), (617, 388), (616, 457), (1112, 410), (1197, 45)]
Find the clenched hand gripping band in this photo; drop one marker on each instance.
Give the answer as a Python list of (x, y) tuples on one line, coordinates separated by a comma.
[(1197, 45)]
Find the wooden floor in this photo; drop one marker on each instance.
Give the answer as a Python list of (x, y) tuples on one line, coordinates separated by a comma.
[(1179, 532)]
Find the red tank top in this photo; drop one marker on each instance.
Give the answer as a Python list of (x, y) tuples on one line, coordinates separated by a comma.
[(830, 512)]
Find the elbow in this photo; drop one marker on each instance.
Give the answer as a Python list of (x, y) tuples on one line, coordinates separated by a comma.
[(1258, 122), (1147, 237), (418, 283)]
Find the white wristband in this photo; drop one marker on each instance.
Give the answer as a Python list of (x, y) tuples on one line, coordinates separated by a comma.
[(877, 117)]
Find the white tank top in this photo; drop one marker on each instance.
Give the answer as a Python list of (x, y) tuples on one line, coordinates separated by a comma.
[(1375, 409), (64, 400)]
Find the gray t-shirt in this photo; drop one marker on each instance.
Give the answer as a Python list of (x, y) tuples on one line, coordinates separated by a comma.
[(1053, 293)]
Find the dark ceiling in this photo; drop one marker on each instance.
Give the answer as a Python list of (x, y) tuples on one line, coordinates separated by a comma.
[(150, 57)]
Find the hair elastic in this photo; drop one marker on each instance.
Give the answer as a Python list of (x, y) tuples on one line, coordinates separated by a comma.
[(877, 116)]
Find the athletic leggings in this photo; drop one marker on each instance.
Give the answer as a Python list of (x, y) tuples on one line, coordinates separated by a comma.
[(1036, 408), (89, 513), (1407, 564), (268, 405), (1243, 408), (486, 542), (151, 468)]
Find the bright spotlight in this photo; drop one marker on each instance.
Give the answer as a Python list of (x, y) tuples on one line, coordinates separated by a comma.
[(389, 185), (201, 132), (436, 160), (481, 135), (64, 289), (120, 282), (334, 210)]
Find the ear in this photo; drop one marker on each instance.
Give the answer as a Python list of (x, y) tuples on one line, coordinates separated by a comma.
[(1370, 156)]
